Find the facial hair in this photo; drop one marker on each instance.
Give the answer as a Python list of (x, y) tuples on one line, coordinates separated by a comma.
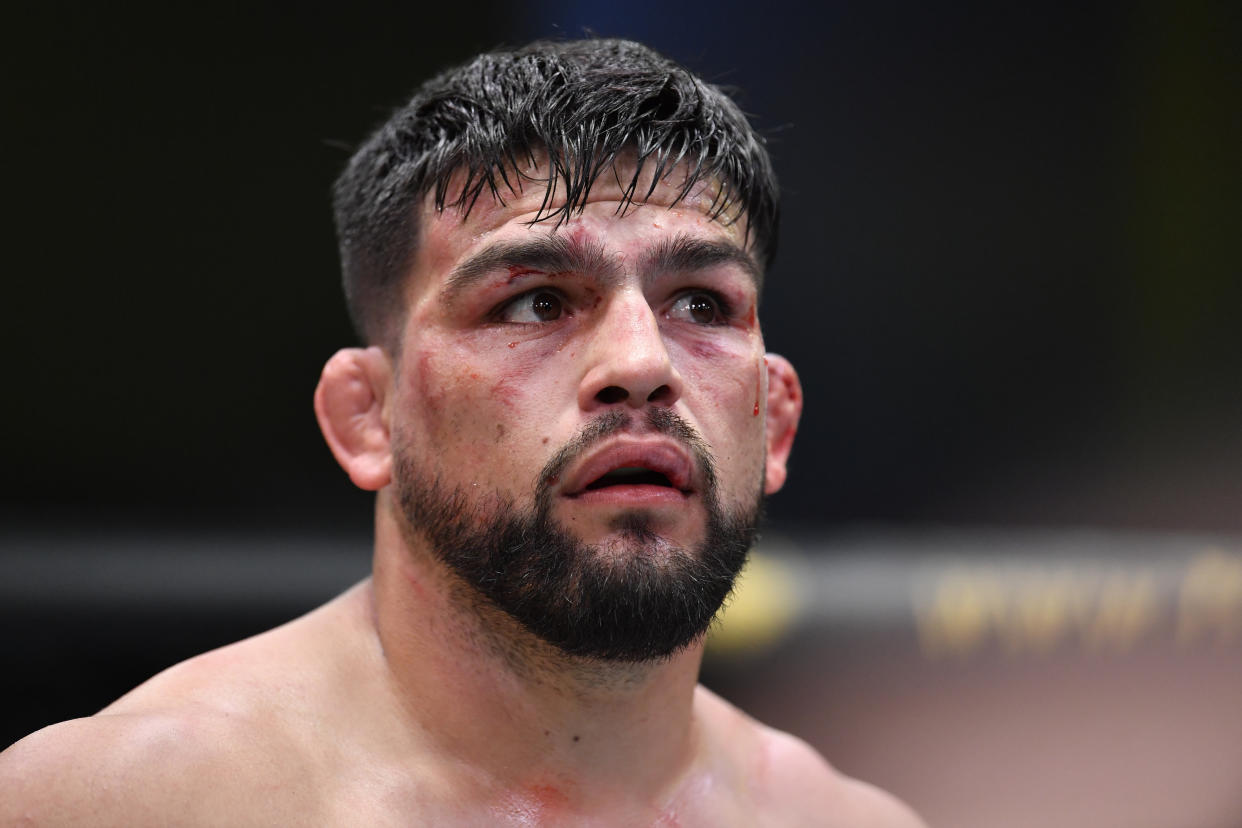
[(636, 597)]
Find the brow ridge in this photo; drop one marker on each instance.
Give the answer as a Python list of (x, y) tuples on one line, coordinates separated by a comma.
[(553, 252), (557, 253), (684, 253)]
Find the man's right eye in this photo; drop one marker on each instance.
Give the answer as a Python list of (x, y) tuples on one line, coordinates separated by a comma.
[(533, 307)]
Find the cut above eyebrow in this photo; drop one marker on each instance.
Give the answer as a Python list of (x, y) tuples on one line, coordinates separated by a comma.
[(686, 254), (553, 253)]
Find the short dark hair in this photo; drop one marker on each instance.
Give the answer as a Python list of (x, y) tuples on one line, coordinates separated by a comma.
[(580, 105)]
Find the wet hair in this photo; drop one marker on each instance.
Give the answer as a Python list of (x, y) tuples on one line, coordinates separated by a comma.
[(577, 106)]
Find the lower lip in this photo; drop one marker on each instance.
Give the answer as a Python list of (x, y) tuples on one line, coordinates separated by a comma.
[(638, 495)]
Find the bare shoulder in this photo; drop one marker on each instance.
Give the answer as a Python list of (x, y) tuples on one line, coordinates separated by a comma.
[(804, 786), (791, 783), (199, 743), (128, 768)]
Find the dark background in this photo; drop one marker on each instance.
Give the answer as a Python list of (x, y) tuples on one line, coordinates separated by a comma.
[(1010, 264), (1010, 275)]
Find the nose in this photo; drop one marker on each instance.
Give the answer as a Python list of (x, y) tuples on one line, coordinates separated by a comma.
[(628, 363)]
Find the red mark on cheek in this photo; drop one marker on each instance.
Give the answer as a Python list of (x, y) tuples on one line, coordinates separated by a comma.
[(428, 390), (512, 344), (704, 349), (750, 317), (758, 389), (504, 391)]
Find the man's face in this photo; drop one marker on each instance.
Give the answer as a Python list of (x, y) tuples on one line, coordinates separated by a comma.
[(601, 384)]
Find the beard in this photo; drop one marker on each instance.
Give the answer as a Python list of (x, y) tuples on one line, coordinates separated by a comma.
[(635, 597)]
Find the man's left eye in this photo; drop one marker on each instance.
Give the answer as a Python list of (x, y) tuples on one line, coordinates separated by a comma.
[(702, 308)]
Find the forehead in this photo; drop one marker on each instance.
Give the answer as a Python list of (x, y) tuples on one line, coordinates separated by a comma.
[(609, 219)]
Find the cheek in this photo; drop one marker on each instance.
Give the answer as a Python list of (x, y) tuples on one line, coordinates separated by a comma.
[(727, 373), (726, 380), (425, 390), (705, 350), (443, 412), (507, 386), (472, 395), (516, 377)]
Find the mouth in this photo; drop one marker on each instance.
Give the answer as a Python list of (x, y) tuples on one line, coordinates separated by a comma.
[(630, 476), (633, 471)]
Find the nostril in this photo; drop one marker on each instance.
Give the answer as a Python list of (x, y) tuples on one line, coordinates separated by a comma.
[(660, 394), (612, 394)]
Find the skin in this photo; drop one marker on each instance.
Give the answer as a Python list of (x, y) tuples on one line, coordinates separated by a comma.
[(407, 701)]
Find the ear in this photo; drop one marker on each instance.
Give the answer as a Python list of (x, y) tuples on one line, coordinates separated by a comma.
[(784, 411), (350, 406)]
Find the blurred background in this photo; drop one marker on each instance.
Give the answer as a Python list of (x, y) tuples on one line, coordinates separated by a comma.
[(1005, 577)]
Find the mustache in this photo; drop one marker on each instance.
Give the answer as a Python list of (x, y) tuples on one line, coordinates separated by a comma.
[(658, 420)]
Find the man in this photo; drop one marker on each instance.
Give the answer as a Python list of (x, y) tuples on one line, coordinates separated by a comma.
[(554, 256)]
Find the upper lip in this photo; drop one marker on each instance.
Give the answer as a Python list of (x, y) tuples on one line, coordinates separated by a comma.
[(662, 456)]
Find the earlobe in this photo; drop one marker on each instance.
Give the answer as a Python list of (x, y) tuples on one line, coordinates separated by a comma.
[(349, 404), (784, 411)]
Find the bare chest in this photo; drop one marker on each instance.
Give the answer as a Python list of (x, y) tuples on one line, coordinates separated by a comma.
[(394, 802)]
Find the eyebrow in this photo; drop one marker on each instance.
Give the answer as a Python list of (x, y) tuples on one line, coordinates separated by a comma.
[(558, 253), (686, 254), (553, 253)]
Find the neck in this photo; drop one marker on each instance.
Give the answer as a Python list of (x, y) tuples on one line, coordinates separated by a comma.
[(520, 714)]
